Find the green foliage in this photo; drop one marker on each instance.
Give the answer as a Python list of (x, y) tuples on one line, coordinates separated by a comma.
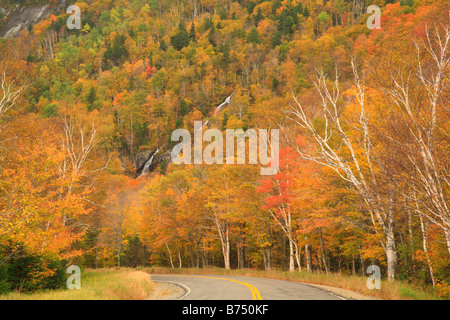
[(323, 18), (142, 27), (208, 23), (136, 254), (250, 7), (275, 84), (253, 36), (409, 3), (163, 167), (225, 119), (193, 33), (179, 123), (184, 107), (276, 39), (258, 17), (158, 80), (50, 110), (181, 39), (4, 284), (163, 45), (225, 59), (222, 12), (116, 53), (306, 12), (91, 98), (30, 273), (286, 22), (211, 34)]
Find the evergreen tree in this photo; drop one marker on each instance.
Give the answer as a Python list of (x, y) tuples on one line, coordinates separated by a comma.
[(251, 7), (91, 98), (222, 12), (253, 36), (275, 84), (150, 58), (193, 33), (181, 39), (225, 120), (208, 24), (285, 22), (258, 17), (136, 254), (184, 107), (225, 50), (276, 5), (211, 33), (306, 12), (117, 53), (276, 39), (163, 45)]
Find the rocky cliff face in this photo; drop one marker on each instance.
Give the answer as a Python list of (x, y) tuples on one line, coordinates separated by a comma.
[(21, 18), (148, 161)]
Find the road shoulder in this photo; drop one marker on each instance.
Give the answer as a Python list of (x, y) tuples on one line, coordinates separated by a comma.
[(167, 291), (344, 293)]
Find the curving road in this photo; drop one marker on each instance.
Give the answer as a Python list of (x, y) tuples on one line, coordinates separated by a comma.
[(234, 288)]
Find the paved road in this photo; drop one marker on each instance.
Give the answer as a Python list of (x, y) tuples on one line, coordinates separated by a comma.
[(205, 287)]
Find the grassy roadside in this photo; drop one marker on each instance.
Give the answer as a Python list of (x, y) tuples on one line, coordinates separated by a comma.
[(389, 291), (102, 284)]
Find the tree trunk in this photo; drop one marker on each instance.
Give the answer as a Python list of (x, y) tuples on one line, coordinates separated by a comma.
[(297, 257), (391, 254), (411, 238), (119, 251), (170, 256), (269, 258), (204, 257), (264, 258), (424, 228), (363, 271), (291, 256), (323, 251), (226, 249), (353, 267), (197, 254), (241, 252), (227, 254), (308, 258), (192, 258), (179, 259), (96, 257), (447, 237), (269, 247)]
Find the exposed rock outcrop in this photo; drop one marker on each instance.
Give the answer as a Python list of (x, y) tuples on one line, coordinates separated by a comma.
[(21, 18), (149, 160)]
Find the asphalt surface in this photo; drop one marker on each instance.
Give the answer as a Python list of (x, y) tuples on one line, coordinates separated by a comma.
[(235, 288)]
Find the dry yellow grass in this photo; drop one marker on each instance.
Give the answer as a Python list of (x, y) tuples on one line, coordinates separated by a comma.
[(102, 284), (396, 290)]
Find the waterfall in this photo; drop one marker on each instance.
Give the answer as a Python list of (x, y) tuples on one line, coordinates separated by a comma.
[(218, 111), (149, 163), (219, 108)]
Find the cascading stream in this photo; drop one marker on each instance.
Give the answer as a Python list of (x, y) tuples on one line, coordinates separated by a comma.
[(149, 163)]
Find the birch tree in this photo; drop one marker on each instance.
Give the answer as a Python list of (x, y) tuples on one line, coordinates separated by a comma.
[(420, 91), (353, 160), (10, 91)]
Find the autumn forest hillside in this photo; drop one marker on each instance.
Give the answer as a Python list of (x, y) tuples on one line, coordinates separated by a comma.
[(364, 124)]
